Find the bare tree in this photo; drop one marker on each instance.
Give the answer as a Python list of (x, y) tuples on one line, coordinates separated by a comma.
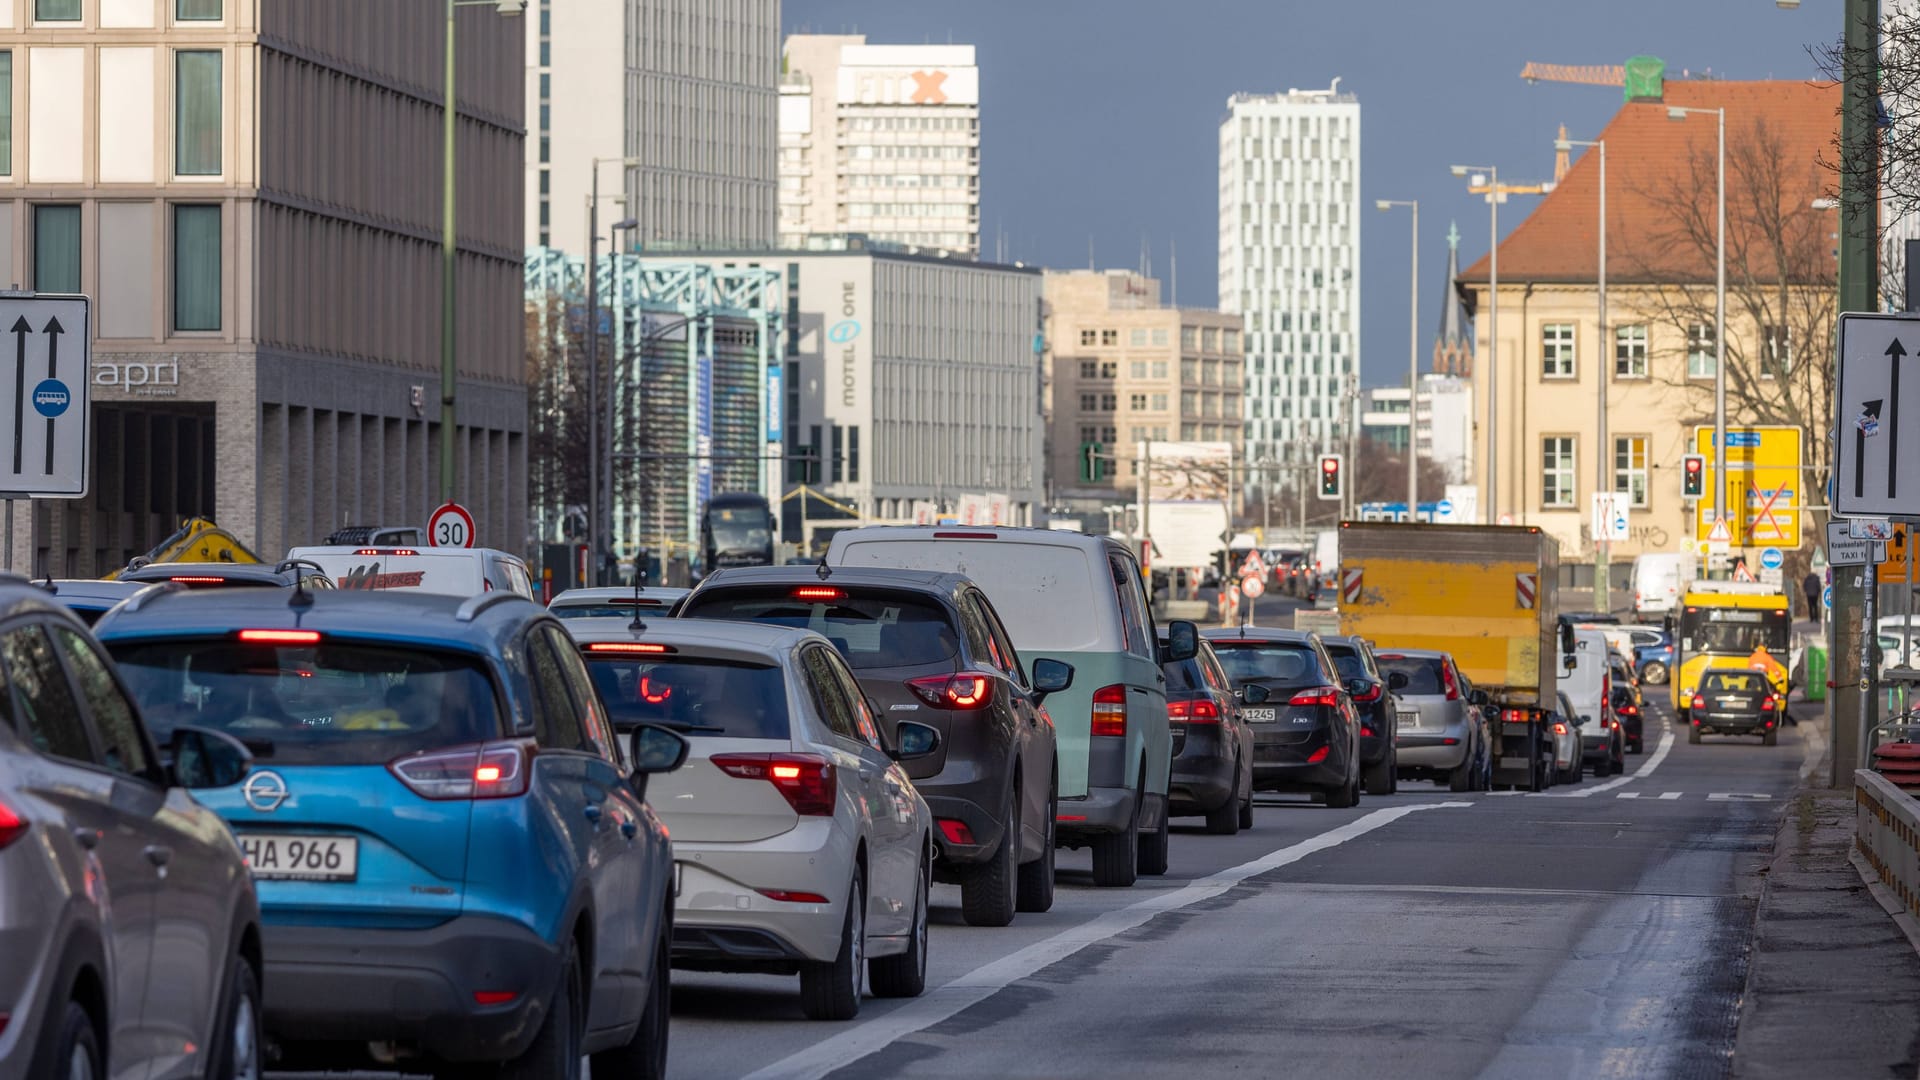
[(556, 421)]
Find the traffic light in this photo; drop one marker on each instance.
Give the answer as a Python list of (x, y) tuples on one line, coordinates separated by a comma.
[(1330, 476), (1092, 465), (1693, 476)]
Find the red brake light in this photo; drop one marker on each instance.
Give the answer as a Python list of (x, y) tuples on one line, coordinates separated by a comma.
[(494, 997), (1328, 696), (12, 825), (198, 579), (1559, 728), (1767, 704), (788, 897), (1446, 678), (960, 690), (366, 551), (819, 592), (495, 770), (280, 637), (385, 551), (1370, 696), (965, 536), (1317, 756), (1110, 710), (1515, 716), (1699, 702), (1202, 711), (1629, 710), (628, 647), (956, 831), (807, 781)]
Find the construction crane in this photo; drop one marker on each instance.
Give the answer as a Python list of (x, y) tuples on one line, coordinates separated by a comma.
[(1641, 77)]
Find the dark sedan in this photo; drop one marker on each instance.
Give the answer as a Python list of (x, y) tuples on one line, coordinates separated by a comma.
[(1378, 708), (1306, 734), (1733, 702), (1212, 744)]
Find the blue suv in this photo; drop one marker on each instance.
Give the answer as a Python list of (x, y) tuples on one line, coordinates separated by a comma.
[(454, 860)]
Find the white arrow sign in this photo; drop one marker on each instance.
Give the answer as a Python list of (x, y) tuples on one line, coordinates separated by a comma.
[(44, 406), (1877, 409)]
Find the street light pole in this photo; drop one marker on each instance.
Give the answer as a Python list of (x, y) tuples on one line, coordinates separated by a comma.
[(1602, 541), (1413, 360), (605, 477), (1493, 334), (599, 493)]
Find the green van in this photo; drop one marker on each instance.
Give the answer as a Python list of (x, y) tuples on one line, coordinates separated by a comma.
[(1080, 599)]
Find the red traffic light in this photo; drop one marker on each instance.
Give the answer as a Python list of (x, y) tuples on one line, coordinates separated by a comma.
[(1694, 464), (1329, 464)]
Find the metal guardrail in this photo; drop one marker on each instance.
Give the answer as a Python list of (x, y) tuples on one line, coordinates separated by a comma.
[(1887, 835)]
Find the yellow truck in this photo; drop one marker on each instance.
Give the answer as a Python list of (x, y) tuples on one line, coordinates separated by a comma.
[(1483, 594)]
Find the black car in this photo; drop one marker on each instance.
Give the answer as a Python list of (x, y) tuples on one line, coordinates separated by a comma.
[(1626, 709), (1306, 733), (1212, 744), (927, 646), (1734, 702), (1378, 707)]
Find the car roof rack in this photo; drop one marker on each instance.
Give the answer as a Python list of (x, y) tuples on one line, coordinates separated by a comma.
[(151, 593)]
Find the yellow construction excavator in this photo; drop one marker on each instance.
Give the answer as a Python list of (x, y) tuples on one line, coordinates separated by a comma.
[(198, 540)]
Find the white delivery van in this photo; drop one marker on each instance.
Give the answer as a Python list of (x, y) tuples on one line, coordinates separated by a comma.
[(1326, 557), (1659, 579), (447, 571)]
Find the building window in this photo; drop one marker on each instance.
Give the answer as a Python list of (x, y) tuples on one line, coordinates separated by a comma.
[(1137, 402), (1089, 337), (1189, 337), (1230, 341), (1701, 361), (6, 113), (1630, 352), (1190, 371), (1210, 339), (1109, 337), (1109, 402), (1160, 404), (1159, 369), (56, 248), (1109, 369), (1160, 335), (56, 10), (853, 455), (196, 113), (1136, 337), (1556, 471), (1556, 351), (1776, 351), (1089, 369), (1089, 402), (196, 267), (1630, 468), (1137, 369), (197, 10)]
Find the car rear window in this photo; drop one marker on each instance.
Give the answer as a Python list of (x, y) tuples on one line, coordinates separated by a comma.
[(1184, 676), (332, 703), (1050, 595), (1280, 662), (1732, 681), (1347, 662), (872, 629), (700, 696), (611, 609), (1422, 672)]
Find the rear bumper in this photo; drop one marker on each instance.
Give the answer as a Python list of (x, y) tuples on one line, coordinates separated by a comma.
[(1203, 776), (1430, 751), (1102, 811), (1596, 748), (1735, 722), (959, 804), (720, 887), (416, 987)]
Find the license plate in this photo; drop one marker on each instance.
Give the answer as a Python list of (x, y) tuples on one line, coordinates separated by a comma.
[(295, 857), (1409, 719), (1261, 716)]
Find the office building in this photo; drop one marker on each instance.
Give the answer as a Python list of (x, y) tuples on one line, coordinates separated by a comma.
[(250, 192), (1290, 264), (685, 90), (880, 140)]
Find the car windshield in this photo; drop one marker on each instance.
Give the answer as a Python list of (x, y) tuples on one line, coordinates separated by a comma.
[(701, 696), (324, 704), (1284, 663), (872, 630), (1422, 672)]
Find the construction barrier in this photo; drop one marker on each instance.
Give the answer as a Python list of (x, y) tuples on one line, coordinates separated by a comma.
[(1886, 831)]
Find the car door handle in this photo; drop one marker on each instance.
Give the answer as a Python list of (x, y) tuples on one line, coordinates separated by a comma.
[(86, 838), (157, 854), (593, 814)]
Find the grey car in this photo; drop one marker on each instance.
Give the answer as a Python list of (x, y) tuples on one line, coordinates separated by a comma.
[(1440, 736), (128, 924)]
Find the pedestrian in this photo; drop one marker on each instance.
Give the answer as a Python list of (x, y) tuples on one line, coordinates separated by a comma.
[(1811, 586)]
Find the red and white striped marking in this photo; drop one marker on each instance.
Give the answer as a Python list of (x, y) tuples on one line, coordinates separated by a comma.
[(1350, 586), (1525, 588)]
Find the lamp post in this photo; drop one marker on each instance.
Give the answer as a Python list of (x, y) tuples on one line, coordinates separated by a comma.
[(605, 478), (1413, 358), (449, 251), (1680, 112), (599, 513), (1602, 543), (1492, 184)]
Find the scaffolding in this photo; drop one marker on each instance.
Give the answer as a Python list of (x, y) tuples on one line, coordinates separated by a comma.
[(692, 353)]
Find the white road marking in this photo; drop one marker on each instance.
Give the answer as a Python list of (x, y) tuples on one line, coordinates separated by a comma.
[(1665, 796), (942, 1002), (1737, 796), (1628, 795), (1645, 770)]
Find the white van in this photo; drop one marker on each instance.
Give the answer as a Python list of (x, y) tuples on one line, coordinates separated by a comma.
[(1586, 680), (1659, 579), (446, 571)]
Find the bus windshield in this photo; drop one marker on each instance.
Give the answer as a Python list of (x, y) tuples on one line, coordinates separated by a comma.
[(1734, 631), (739, 532)]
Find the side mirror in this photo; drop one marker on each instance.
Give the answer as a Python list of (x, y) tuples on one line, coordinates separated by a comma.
[(199, 758), (916, 740), (1183, 641), (1050, 677), (1397, 680), (654, 749), (1254, 694), (1566, 638), (1479, 697)]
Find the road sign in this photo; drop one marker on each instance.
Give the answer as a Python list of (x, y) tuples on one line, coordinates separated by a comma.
[(45, 406), (1253, 587), (1761, 493), (1844, 550), (1899, 556), (1609, 520), (1775, 577), (1772, 558), (1874, 414), (1826, 598), (1718, 533), (450, 526), (1443, 508), (1253, 565)]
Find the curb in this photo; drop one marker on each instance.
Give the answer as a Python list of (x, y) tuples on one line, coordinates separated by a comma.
[(1884, 897)]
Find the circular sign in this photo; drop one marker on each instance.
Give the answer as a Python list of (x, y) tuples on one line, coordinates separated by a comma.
[(1826, 599), (1253, 587), (450, 526), (1444, 507), (1772, 558), (51, 398), (1506, 519)]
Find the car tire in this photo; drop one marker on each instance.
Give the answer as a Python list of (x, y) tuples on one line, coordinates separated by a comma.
[(555, 1052), (990, 892), (239, 1046), (1036, 877), (1771, 738), (1693, 734), (1116, 857), (1153, 849), (1655, 672), (1633, 746), (1347, 795), (1380, 777), (904, 975), (77, 1054), (1224, 820), (830, 989), (1464, 775), (1246, 807), (644, 1057)]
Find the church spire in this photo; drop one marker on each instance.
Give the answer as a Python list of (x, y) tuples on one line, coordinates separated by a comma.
[(1452, 349)]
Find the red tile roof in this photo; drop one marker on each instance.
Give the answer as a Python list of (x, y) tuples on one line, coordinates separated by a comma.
[(1779, 135)]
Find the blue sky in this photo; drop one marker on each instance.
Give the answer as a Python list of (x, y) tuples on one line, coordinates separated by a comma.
[(1099, 117)]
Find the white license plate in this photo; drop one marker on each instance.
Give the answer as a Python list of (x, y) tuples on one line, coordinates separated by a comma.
[(1260, 716), (298, 857), (1409, 719)]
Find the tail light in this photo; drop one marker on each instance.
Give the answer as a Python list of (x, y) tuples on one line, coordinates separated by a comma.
[(1318, 695), (956, 831), (1629, 710), (280, 637), (960, 690), (807, 781), (1699, 702), (494, 997), (818, 592), (1317, 756), (788, 896), (1203, 711), (1110, 710), (1369, 696), (496, 770), (12, 825), (1515, 716), (1446, 678), (1767, 704), (1559, 728), (1613, 725)]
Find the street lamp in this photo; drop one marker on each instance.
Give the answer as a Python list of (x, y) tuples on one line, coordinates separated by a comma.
[(1492, 182), (1413, 357), (1680, 112), (1602, 543), (449, 252), (599, 515), (605, 476)]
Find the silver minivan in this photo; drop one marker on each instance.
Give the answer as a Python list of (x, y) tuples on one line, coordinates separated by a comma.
[(1082, 600)]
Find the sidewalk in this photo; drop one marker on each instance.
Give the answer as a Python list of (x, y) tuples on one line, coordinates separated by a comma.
[(1833, 983)]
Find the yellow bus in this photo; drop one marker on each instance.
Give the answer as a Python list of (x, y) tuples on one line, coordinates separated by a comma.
[(1721, 624)]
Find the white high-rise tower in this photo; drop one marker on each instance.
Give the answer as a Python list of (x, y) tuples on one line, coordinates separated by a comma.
[(1290, 264)]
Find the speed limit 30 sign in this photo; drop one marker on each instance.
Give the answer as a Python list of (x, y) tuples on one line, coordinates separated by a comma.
[(450, 526)]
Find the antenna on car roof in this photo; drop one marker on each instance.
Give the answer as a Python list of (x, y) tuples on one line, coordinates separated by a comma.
[(639, 583), (301, 597), (822, 570)]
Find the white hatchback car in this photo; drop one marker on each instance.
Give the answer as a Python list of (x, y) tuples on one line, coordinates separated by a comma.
[(800, 846), (616, 602)]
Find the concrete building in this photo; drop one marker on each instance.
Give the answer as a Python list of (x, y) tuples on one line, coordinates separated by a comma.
[(1442, 421), (1655, 361), (1122, 369), (249, 190), (1290, 264), (880, 140), (685, 89)]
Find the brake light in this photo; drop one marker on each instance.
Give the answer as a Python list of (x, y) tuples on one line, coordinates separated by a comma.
[(650, 647), (1515, 716), (385, 551), (819, 592), (495, 770), (280, 637), (956, 831), (1366, 732), (1369, 696), (1699, 702), (12, 825), (494, 997), (1629, 710), (960, 690), (1203, 711), (1451, 684), (965, 536), (1110, 711), (1328, 696), (1613, 725), (1559, 728), (807, 781), (197, 579), (788, 897), (1317, 756)]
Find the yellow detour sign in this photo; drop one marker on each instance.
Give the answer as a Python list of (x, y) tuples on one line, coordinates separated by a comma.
[(1762, 488), (1899, 556)]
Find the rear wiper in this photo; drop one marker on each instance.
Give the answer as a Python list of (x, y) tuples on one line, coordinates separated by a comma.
[(698, 729)]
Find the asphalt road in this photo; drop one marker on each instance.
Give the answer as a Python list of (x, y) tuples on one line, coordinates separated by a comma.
[(1594, 930)]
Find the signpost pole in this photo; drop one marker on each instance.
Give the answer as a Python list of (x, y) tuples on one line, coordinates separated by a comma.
[(9, 534), (1869, 671)]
